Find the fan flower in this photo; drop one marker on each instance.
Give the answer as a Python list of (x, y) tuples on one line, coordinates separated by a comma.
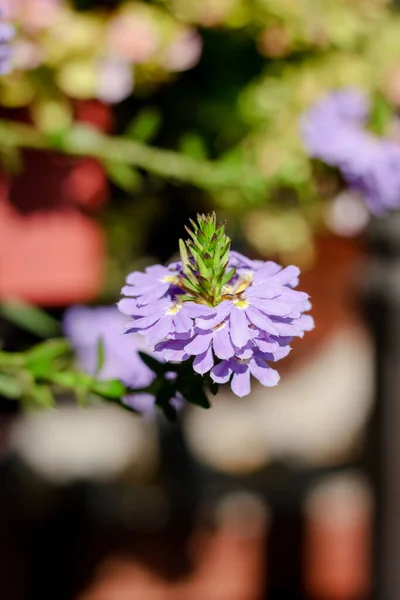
[(229, 314), (84, 327)]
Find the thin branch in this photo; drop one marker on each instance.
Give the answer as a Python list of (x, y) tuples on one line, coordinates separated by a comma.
[(83, 140)]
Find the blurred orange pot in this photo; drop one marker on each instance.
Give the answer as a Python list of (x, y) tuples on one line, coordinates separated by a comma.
[(51, 252)]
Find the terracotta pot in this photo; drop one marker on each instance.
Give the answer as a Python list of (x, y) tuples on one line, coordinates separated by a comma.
[(51, 252)]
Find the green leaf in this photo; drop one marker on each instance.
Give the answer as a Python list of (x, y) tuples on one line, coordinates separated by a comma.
[(82, 395), (42, 396), (10, 387), (192, 389), (228, 276), (198, 397), (124, 176), (191, 286), (71, 379), (204, 272), (145, 126), (212, 386), (111, 388), (30, 318), (48, 350), (163, 401), (184, 254), (100, 355), (194, 146), (154, 364), (235, 157), (194, 225), (217, 255), (195, 239), (381, 115)]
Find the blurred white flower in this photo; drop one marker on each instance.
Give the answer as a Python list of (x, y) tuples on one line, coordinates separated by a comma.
[(115, 80), (348, 214), (26, 54)]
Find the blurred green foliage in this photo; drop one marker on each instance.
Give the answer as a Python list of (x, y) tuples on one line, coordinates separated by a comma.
[(221, 130)]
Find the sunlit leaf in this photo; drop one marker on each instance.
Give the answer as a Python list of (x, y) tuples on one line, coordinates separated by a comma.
[(124, 176), (10, 387), (42, 396), (30, 318), (145, 126), (100, 355)]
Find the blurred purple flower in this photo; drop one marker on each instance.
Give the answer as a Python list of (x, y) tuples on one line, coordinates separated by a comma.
[(84, 326), (7, 33), (334, 131)]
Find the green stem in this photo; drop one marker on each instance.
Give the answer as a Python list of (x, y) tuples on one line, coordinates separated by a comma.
[(82, 140), (11, 359)]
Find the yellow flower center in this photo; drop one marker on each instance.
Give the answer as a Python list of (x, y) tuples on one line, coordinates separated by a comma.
[(170, 279), (242, 304), (173, 309)]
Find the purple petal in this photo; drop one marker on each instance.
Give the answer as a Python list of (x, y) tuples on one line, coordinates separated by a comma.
[(199, 344), (286, 276), (221, 372), (144, 322), (222, 343), (261, 321), (204, 362), (241, 382), (239, 327), (194, 310), (305, 322), (183, 323), (265, 272), (272, 307), (263, 372), (263, 290), (127, 307), (221, 312), (159, 331), (154, 308), (266, 346), (288, 329)]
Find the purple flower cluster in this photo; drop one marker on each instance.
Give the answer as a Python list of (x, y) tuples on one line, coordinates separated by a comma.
[(334, 131), (84, 327), (251, 326), (6, 36)]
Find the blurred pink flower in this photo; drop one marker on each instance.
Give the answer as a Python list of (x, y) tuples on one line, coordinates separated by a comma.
[(31, 14), (184, 52), (134, 37)]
